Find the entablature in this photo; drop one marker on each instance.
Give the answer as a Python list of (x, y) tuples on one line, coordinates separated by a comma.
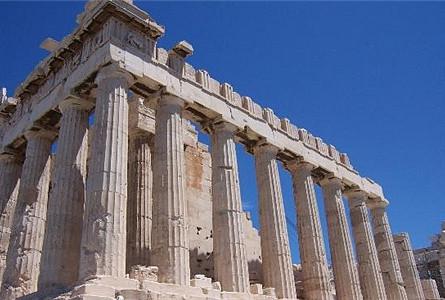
[(115, 31)]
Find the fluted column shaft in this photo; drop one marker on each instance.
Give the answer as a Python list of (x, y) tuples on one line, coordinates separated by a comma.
[(140, 186), (312, 250), (347, 284), (103, 243), (442, 252), (429, 287), (170, 246), (276, 258), (389, 264), (408, 267), (10, 170), (23, 263), (371, 280), (60, 262), (229, 249)]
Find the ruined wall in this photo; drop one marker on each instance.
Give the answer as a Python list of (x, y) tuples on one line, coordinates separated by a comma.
[(428, 262), (198, 190)]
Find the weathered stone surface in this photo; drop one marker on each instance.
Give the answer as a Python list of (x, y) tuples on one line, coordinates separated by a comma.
[(23, 263), (229, 252), (429, 288), (61, 252), (312, 251), (347, 284), (141, 273), (10, 170), (199, 206), (170, 245), (370, 275), (428, 262), (103, 244), (408, 267), (389, 263), (139, 208), (277, 263), (115, 38), (442, 254)]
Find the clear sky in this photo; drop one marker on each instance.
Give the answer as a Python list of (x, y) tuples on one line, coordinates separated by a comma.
[(368, 77)]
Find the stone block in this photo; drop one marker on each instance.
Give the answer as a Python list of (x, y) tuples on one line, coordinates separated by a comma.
[(141, 273), (94, 289), (202, 77), (216, 285), (269, 292), (212, 293), (134, 294), (256, 288), (201, 281), (116, 282)]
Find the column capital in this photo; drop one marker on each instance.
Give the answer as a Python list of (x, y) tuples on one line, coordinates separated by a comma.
[(114, 71), (5, 156), (331, 181), (171, 100), (356, 197), (265, 147), (378, 204), (398, 237), (136, 132), (40, 133), (355, 193), (75, 103), (221, 125), (299, 166)]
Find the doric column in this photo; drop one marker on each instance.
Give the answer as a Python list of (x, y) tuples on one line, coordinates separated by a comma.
[(10, 169), (103, 242), (140, 186), (389, 264), (429, 287), (276, 258), (371, 280), (408, 267), (442, 251), (60, 261), (229, 249), (347, 284), (23, 262), (312, 250), (170, 246)]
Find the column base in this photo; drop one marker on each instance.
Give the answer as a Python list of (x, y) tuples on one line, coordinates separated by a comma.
[(108, 288)]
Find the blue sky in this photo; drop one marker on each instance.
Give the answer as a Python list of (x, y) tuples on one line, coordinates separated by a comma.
[(368, 77)]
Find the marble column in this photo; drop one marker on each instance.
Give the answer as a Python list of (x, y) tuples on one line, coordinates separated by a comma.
[(442, 251), (170, 246), (429, 287), (275, 251), (371, 280), (389, 264), (229, 248), (347, 284), (139, 211), (408, 267), (103, 243), (23, 263), (60, 261), (10, 170), (312, 250)]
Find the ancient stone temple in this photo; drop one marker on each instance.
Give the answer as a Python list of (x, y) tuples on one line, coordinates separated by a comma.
[(130, 205)]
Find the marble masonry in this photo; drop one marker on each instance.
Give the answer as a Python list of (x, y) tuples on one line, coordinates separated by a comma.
[(106, 192), (430, 262)]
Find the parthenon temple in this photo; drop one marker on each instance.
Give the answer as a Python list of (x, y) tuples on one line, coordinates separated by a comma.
[(107, 193)]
